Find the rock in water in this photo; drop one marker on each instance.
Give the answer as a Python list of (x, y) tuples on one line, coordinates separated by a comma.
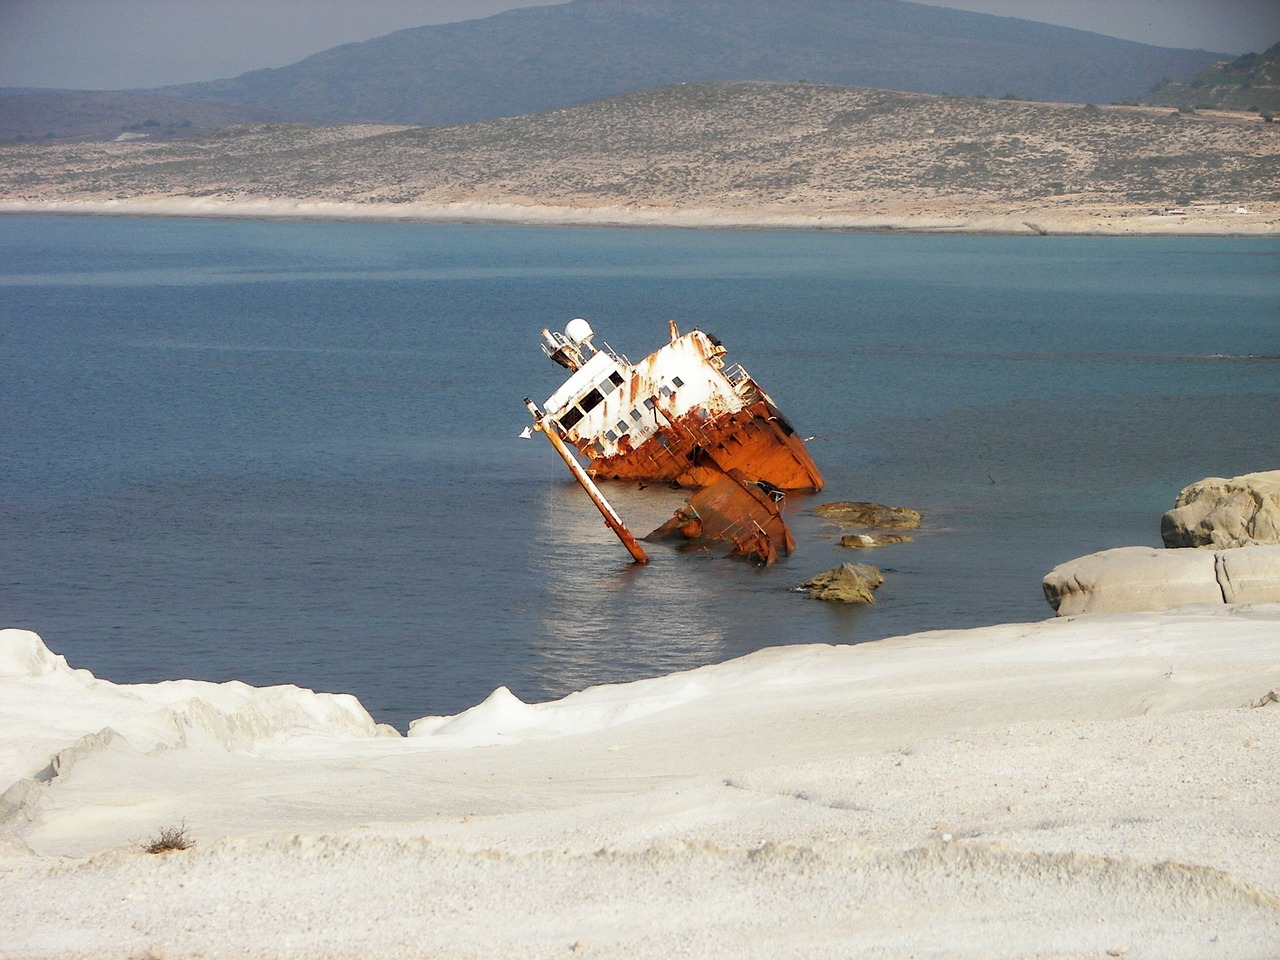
[(855, 513), (1225, 513), (862, 540), (1236, 522), (847, 583)]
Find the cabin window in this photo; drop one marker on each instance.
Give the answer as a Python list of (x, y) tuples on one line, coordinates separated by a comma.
[(623, 426), (635, 414), (650, 402), (677, 381), (667, 391), (610, 436), (608, 386), (570, 418), (598, 447), (590, 400)]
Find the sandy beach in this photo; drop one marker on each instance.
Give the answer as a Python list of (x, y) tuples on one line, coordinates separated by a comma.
[(937, 217), (1080, 787)]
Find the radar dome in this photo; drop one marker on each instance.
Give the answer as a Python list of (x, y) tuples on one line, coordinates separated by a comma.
[(579, 331)]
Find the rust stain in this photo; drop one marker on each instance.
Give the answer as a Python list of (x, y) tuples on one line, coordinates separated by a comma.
[(694, 450)]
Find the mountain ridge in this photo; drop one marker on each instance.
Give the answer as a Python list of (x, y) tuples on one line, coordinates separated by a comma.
[(537, 58), (1250, 82)]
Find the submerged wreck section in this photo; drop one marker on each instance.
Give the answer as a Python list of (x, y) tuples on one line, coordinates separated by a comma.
[(735, 511), (679, 416)]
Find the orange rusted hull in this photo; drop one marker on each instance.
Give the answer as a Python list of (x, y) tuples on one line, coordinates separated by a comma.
[(693, 452), (732, 510), (681, 416)]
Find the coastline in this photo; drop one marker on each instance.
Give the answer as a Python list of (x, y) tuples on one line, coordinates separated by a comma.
[(1083, 786), (937, 218)]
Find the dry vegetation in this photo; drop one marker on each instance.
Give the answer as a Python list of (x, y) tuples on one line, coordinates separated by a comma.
[(801, 148), (169, 839)]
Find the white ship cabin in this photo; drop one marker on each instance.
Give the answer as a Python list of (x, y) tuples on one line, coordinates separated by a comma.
[(609, 406)]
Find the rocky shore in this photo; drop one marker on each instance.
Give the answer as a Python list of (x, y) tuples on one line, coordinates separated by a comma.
[(1222, 541), (1098, 784)]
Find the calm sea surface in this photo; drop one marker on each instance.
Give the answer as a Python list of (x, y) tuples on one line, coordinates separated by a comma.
[(288, 452)]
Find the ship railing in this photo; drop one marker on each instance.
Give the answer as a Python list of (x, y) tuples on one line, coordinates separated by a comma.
[(621, 358), (742, 384)]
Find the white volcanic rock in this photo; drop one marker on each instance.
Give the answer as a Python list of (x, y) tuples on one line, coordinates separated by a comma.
[(150, 717), (1080, 787), (1225, 513), (1236, 521), (1132, 578), (1249, 574)]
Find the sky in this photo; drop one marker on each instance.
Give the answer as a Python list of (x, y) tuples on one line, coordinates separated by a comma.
[(130, 44)]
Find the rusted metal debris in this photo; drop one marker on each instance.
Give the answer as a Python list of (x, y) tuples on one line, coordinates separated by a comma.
[(741, 513), (611, 518), (679, 416)]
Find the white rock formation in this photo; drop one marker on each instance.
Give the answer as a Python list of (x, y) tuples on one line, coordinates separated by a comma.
[(1132, 578), (1249, 574), (1129, 579), (1225, 513), (1236, 522)]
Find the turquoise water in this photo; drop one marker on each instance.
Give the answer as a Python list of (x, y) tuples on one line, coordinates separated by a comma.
[(287, 452)]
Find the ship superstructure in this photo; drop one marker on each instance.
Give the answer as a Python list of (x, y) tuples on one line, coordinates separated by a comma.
[(679, 415)]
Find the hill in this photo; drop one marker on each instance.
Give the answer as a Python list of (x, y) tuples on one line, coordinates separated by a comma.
[(537, 58), (1250, 82), (108, 115), (752, 151)]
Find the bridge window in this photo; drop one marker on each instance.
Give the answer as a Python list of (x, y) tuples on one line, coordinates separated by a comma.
[(590, 400)]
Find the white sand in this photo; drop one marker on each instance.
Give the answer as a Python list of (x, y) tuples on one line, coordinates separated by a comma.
[(982, 216), (1086, 787)]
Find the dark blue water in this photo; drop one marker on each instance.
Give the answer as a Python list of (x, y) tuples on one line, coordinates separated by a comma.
[(288, 452)]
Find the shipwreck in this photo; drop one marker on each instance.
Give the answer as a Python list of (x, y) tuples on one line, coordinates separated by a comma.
[(679, 416)]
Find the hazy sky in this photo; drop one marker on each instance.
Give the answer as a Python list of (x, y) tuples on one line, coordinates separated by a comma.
[(121, 44)]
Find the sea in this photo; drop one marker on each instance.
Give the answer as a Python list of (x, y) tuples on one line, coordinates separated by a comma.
[(289, 452)]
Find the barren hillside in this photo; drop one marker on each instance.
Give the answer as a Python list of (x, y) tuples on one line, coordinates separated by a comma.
[(768, 149)]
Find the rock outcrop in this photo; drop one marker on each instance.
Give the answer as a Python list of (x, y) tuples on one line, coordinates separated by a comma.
[(1248, 574), (1236, 526), (857, 513), (859, 541), (847, 583), (1225, 513), (1146, 578)]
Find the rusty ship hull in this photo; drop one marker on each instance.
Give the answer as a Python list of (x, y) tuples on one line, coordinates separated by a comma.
[(679, 416)]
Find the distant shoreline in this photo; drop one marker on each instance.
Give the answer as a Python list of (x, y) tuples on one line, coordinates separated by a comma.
[(1196, 221)]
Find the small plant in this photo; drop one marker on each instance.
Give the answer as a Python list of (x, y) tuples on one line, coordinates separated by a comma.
[(169, 838)]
